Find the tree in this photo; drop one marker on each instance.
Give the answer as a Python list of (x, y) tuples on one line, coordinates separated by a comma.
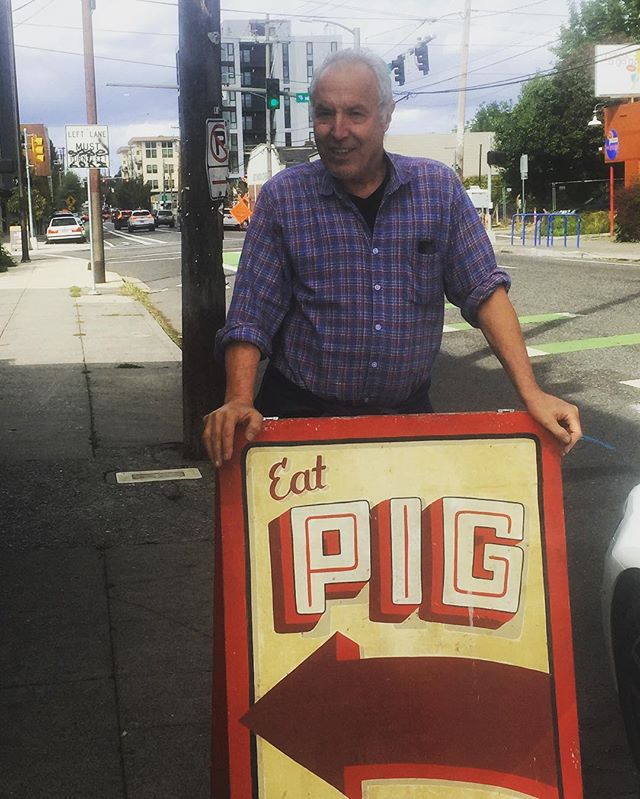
[(133, 194), (39, 206), (489, 116), (70, 187), (549, 120)]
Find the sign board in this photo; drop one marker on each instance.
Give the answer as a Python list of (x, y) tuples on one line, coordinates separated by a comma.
[(617, 70), (479, 197), (87, 146), (392, 614), (611, 144), (15, 239), (302, 97), (217, 157), (524, 166)]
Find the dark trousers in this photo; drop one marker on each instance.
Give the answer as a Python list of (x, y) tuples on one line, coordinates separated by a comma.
[(279, 397)]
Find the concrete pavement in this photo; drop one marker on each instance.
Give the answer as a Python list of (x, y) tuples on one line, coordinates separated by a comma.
[(592, 247), (105, 589)]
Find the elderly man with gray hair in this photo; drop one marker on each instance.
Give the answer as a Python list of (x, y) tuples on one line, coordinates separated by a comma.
[(344, 273)]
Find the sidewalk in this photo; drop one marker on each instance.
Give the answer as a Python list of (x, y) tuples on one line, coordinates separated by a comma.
[(105, 589), (592, 247)]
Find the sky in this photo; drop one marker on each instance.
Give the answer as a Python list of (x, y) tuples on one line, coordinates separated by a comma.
[(135, 42)]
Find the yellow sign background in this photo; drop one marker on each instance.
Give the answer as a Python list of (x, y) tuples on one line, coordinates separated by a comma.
[(501, 469)]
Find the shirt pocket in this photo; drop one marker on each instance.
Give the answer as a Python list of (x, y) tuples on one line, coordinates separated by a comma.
[(423, 279)]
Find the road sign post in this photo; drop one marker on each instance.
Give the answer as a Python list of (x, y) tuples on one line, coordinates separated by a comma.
[(381, 620), (524, 174)]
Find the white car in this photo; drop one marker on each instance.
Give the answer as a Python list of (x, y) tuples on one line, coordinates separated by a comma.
[(621, 616), (141, 220), (65, 227)]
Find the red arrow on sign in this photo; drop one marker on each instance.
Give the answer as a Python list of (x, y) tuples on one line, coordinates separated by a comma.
[(338, 715)]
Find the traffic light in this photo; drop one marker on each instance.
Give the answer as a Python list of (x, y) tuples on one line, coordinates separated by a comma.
[(496, 158), (397, 67), (273, 93), (422, 57), (37, 148)]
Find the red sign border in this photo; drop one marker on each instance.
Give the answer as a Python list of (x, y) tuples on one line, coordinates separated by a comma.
[(234, 774)]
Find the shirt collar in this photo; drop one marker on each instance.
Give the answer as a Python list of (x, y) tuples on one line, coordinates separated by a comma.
[(399, 174)]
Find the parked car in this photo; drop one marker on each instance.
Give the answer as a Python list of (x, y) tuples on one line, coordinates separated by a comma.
[(621, 616), (229, 221), (65, 227), (164, 216), (122, 217), (141, 219)]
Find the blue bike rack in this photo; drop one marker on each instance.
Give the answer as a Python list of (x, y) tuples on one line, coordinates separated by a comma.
[(548, 219)]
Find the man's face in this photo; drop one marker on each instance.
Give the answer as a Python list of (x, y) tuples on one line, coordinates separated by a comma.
[(348, 124)]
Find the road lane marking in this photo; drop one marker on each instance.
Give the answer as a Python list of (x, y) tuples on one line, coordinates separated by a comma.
[(524, 320), (144, 260), (578, 345), (632, 383), (147, 242)]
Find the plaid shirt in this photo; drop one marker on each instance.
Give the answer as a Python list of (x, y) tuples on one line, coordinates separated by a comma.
[(351, 315)]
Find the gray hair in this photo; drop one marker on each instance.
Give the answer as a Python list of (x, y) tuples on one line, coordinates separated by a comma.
[(348, 58)]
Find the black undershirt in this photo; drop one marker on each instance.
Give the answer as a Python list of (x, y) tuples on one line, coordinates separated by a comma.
[(368, 206)]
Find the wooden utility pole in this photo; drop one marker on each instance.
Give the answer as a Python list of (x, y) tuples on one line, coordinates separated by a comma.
[(97, 241), (203, 282), (462, 90)]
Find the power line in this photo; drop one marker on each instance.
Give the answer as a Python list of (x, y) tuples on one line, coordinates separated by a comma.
[(101, 57), (524, 78)]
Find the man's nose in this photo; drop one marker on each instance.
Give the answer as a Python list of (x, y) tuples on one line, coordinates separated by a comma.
[(340, 128)]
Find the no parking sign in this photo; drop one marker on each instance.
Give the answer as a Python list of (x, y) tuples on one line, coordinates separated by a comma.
[(392, 613), (217, 157)]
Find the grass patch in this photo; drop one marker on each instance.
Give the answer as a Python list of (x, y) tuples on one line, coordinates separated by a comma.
[(75, 291), (131, 290)]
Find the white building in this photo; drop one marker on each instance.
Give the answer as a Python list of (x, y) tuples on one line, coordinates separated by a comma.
[(293, 60), (442, 147), (157, 161)]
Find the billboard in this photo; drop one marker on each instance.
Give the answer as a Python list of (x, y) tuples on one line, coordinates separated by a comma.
[(617, 69), (392, 616)]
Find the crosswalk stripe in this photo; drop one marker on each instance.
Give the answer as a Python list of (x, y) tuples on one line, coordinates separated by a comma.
[(524, 320), (632, 383), (577, 345)]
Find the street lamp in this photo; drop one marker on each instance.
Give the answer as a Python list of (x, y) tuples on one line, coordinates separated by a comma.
[(594, 122), (355, 32)]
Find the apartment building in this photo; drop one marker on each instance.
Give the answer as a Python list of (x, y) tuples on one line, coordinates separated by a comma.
[(157, 161), (293, 59)]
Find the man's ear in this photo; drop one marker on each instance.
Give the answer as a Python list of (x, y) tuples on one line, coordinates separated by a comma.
[(390, 111)]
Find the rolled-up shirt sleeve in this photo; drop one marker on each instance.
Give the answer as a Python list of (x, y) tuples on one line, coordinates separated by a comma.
[(262, 291), (471, 273)]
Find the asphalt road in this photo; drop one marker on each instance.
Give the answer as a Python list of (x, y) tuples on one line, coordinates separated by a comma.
[(581, 321)]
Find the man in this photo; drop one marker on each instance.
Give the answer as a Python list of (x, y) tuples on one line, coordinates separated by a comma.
[(344, 272)]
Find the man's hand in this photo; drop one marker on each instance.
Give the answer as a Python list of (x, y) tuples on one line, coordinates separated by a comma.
[(220, 428), (559, 417)]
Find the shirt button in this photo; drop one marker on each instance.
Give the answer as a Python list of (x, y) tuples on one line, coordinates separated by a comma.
[(378, 327), (374, 364), (366, 400), (377, 287), (375, 251)]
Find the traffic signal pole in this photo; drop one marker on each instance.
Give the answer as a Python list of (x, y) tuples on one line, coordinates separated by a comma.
[(203, 281), (97, 240)]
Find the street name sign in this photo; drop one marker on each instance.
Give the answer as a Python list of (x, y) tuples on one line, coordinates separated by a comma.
[(302, 97), (217, 157), (87, 146), (391, 612)]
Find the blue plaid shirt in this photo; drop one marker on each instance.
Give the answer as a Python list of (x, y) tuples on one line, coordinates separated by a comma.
[(351, 315)]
